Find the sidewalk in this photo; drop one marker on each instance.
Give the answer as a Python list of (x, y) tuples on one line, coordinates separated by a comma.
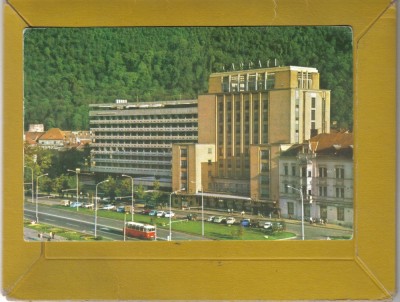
[(33, 235)]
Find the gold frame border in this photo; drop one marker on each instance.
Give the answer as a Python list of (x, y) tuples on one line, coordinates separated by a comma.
[(362, 268)]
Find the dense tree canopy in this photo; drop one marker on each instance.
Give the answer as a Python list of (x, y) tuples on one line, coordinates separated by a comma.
[(67, 68)]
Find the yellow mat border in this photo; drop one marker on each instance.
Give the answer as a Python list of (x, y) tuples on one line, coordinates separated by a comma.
[(362, 268)]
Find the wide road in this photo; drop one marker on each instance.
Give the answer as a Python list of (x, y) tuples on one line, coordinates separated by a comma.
[(106, 227)]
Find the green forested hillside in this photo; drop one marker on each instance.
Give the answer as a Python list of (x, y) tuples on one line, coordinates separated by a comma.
[(66, 69)]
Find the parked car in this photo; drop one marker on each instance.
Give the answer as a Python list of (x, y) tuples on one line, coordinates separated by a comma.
[(146, 211), (160, 213), (267, 225), (245, 222), (65, 202), (75, 204), (191, 216), (169, 214), (108, 207), (121, 209), (88, 205), (230, 220), (210, 218), (153, 213), (218, 219)]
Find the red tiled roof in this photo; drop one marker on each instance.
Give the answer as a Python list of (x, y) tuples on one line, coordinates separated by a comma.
[(32, 137), (327, 141), (53, 134)]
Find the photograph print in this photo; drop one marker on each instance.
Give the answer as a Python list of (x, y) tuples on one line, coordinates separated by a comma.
[(188, 133)]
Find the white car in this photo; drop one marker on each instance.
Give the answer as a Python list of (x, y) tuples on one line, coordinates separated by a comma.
[(211, 218), (268, 225), (230, 220), (160, 213), (218, 219), (169, 214), (108, 207)]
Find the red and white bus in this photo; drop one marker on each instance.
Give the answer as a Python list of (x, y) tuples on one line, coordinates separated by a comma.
[(140, 230)]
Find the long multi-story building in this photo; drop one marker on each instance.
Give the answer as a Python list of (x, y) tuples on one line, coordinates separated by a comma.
[(136, 138), (248, 115), (322, 169)]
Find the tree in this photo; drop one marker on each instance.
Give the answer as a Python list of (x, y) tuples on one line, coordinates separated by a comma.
[(156, 193), (141, 194)]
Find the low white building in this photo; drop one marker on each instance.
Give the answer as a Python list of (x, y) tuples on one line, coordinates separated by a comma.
[(320, 171)]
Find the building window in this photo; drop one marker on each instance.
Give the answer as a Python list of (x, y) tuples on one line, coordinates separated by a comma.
[(286, 188), (270, 81), (313, 102), (293, 170), (323, 191), (209, 150), (340, 192), (303, 171), (183, 152), (340, 172), (323, 172), (264, 154), (183, 163), (264, 167), (286, 170), (340, 213), (183, 175), (313, 115)]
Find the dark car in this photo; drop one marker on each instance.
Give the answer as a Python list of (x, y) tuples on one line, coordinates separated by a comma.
[(146, 211), (245, 222)]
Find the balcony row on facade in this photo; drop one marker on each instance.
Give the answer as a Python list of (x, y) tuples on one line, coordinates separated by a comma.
[(131, 161), (148, 136), (130, 128), (143, 121), (132, 171)]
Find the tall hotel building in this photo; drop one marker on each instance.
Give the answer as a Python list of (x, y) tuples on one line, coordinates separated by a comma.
[(136, 138), (250, 116)]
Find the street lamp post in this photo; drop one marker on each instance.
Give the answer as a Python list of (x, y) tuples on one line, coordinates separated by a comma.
[(31, 182), (302, 210), (124, 175), (170, 212), (37, 195), (95, 209), (77, 184)]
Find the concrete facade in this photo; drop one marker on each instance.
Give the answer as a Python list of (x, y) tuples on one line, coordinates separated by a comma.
[(248, 115), (136, 138), (323, 169)]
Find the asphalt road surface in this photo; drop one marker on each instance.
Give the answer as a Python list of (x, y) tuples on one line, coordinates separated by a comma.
[(108, 228)]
